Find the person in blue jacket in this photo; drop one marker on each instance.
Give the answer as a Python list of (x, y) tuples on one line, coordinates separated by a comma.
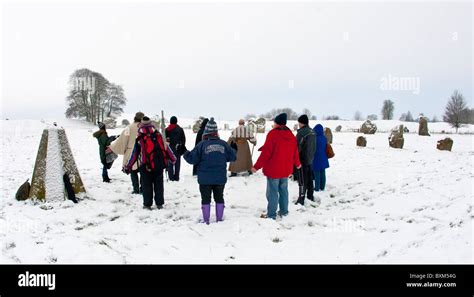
[(211, 156), (320, 161)]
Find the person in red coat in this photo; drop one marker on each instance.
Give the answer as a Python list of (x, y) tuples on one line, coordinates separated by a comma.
[(278, 156)]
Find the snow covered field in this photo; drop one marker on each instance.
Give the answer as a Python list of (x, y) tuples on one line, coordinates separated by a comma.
[(382, 205)]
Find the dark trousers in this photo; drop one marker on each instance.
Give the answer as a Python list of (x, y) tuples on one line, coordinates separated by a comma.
[(319, 180), (173, 169), (195, 170), (308, 186), (135, 181), (105, 175), (152, 182), (207, 190)]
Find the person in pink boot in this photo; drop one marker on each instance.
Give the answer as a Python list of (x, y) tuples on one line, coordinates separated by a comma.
[(211, 156)]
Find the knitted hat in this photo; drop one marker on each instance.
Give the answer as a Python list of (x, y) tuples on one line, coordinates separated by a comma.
[(146, 120), (173, 120), (281, 119), (101, 126), (211, 127), (303, 119), (138, 116)]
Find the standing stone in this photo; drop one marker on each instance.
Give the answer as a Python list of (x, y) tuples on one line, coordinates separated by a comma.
[(396, 138), (226, 127), (54, 159), (361, 141), (338, 128), (423, 127), (368, 127), (260, 125), (197, 124), (445, 144), (328, 134)]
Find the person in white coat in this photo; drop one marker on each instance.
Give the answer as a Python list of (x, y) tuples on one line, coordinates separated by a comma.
[(124, 144)]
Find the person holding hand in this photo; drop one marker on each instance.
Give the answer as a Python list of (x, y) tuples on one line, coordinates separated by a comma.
[(278, 155)]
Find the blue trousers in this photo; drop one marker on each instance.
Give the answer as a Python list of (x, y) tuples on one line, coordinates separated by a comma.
[(319, 180), (277, 195)]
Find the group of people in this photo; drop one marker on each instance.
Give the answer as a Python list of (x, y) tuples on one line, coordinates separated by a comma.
[(147, 153)]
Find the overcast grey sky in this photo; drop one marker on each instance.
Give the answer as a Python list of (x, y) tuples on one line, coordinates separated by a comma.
[(231, 59)]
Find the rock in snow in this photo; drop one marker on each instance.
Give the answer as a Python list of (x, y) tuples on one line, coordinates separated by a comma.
[(368, 127)]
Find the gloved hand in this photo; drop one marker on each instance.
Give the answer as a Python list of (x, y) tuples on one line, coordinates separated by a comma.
[(233, 145), (126, 170), (181, 149)]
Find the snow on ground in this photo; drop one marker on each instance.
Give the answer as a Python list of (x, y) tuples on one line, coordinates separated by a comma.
[(382, 205)]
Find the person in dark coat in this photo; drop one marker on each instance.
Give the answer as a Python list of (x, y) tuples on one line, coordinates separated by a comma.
[(278, 155), (306, 147), (103, 140), (175, 136), (152, 157), (211, 156), (199, 139), (320, 161)]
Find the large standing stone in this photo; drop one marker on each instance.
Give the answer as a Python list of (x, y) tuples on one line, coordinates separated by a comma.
[(328, 134), (445, 144), (338, 128), (197, 124), (396, 137), (368, 127), (361, 141), (54, 159), (257, 126), (423, 127)]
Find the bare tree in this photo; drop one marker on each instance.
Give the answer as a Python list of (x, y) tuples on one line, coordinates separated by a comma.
[(250, 116), (387, 110), (307, 112), (455, 110), (407, 117), (372, 117), (291, 114), (357, 116), (114, 101), (92, 97)]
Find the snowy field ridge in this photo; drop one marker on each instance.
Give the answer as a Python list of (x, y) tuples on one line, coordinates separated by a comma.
[(382, 205)]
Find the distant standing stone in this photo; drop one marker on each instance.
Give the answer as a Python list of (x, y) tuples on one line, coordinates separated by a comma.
[(423, 127), (368, 127), (361, 141), (445, 144), (338, 128), (396, 138)]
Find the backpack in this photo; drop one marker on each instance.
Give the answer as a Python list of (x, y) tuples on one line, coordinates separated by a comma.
[(153, 158), (23, 192)]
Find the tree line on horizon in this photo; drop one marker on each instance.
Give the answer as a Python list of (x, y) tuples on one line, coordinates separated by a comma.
[(456, 113)]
